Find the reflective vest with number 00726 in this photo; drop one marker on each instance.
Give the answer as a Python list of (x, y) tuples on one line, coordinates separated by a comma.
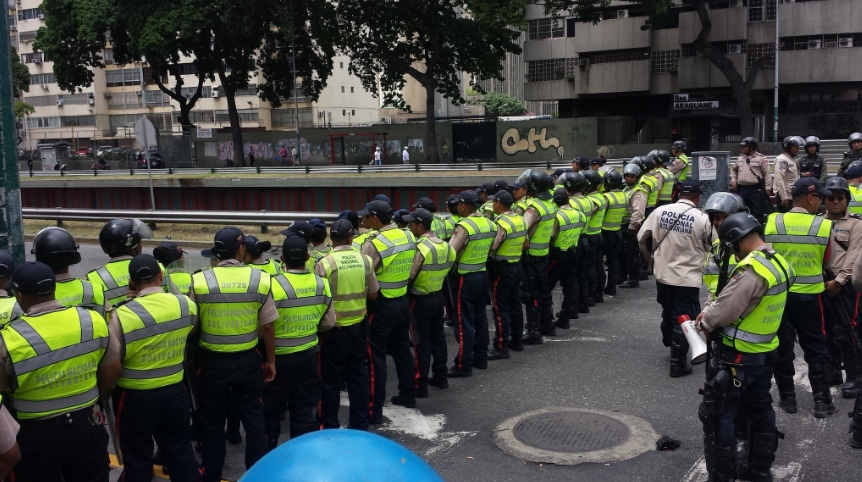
[(155, 330), (512, 246), (594, 224), (480, 235), (540, 241), (76, 292), (55, 356), (346, 271), (801, 238), (758, 331), (301, 300), (570, 225), (229, 299), (397, 248), (616, 210), (438, 260)]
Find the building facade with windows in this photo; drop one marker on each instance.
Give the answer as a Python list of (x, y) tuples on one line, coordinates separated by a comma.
[(642, 77), (105, 112)]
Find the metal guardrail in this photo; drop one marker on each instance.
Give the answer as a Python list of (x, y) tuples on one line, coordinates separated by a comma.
[(254, 218), (349, 170)]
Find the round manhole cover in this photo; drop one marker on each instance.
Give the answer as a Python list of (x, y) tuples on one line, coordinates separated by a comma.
[(571, 432)]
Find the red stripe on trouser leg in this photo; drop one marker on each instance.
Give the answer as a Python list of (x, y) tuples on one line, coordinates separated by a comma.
[(550, 265), (370, 368), (498, 319), (319, 398), (822, 318), (460, 322), (117, 423), (415, 351), (855, 311)]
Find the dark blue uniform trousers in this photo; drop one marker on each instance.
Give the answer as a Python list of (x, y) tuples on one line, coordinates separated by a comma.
[(471, 322)]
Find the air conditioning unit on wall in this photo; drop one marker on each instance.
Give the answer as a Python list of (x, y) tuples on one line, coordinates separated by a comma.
[(624, 13), (844, 43), (815, 44), (734, 49)]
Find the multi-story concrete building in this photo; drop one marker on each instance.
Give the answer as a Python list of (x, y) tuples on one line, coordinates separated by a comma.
[(103, 114), (629, 76)]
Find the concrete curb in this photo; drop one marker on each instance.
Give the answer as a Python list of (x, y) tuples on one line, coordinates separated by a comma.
[(642, 439)]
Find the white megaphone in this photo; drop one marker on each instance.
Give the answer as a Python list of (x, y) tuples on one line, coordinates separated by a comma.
[(695, 340)]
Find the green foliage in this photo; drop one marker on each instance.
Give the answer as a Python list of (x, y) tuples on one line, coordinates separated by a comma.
[(20, 75), (497, 104), (22, 108)]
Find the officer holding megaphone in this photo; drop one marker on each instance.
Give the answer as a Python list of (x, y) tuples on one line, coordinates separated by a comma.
[(743, 323)]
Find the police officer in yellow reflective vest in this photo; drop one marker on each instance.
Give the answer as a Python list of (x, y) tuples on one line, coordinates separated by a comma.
[(235, 311), (319, 247), (662, 159), (151, 402), (391, 251), (563, 265), (60, 438), (612, 238), (805, 241), (650, 181), (178, 279), (304, 303), (575, 184), (9, 308), (121, 241), (449, 283), (504, 270), (57, 248), (431, 265), (471, 242), (344, 349), (593, 234), (540, 219), (254, 249), (747, 314)]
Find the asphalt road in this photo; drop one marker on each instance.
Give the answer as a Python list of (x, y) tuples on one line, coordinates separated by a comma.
[(612, 359)]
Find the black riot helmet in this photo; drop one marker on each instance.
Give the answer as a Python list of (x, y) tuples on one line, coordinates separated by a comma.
[(662, 157), (750, 142), (724, 202), (55, 247), (737, 226), (812, 141), (854, 137), (838, 184), (573, 181), (537, 181), (638, 161), (613, 180), (593, 179), (678, 145), (632, 169), (648, 163), (789, 142), (119, 237)]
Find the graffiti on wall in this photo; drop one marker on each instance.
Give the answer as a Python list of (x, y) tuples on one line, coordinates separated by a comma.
[(266, 150), (512, 142)]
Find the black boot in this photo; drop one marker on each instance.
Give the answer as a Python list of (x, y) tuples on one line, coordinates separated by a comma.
[(584, 308), (856, 425), (679, 366), (630, 283), (300, 430), (763, 446), (439, 381), (533, 337), (725, 470), (404, 401), (823, 405), (832, 373), (611, 290), (422, 388), (516, 344), (495, 354), (742, 452), (853, 386), (786, 392), (563, 320), (231, 434)]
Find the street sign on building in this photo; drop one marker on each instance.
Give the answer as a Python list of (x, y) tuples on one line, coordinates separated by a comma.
[(696, 105)]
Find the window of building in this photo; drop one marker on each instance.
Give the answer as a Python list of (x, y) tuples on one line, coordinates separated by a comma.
[(251, 90), (108, 56), (546, 28), (125, 100), (12, 20), (610, 57), (245, 115), (189, 92), (161, 120), (286, 118), (122, 77), (37, 79), (340, 65), (187, 69), (27, 36), (43, 122), (351, 90), (30, 13), (353, 112), (13, 41), (61, 121), (761, 10), (156, 98), (550, 69), (665, 61), (817, 42), (41, 100), (570, 27), (342, 89), (72, 99), (758, 51), (33, 58), (343, 112), (201, 116)]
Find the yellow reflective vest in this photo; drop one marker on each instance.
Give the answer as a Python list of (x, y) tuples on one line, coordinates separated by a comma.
[(480, 234), (802, 239), (271, 267), (437, 261), (616, 210), (512, 246), (540, 241), (346, 272), (76, 292), (301, 300), (9, 309), (570, 225), (594, 224), (397, 248)]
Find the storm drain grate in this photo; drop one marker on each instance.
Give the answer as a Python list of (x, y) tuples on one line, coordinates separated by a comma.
[(571, 431)]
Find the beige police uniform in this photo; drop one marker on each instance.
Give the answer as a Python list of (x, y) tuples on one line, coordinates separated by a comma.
[(747, 169), (786, 173)]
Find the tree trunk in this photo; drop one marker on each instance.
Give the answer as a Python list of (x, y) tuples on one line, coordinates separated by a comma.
[(233, 116), (432, 155)]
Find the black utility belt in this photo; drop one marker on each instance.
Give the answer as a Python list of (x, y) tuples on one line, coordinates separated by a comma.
[(76, 416)]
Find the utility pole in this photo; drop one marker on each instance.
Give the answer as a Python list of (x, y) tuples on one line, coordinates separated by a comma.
[(11, 224), (775, 94), (295, 96)]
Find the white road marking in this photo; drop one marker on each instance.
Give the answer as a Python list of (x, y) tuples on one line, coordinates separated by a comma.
[(791, 472), (801, 377), (577, 338), (410, 421)]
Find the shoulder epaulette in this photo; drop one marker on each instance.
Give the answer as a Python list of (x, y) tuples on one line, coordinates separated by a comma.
[(855, 216)]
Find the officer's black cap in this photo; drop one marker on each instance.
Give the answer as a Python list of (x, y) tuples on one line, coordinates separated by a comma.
[(452, 199), (340, 230), (398, 216), (7, 264), (597, 160), (143, 267), (384, 198), (299, 228), (294, 249), (227, 241), (690, 186), (808, 185), (561, 196), (32, 278), (422, 216), (425, 203), (350, 216), (500, 185), (469, 197), (168, 252), (558, 172), (505, 198), (374, 208), (487, 187)]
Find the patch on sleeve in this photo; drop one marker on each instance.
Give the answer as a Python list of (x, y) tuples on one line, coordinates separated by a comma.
[(782, 165), (738, 273)]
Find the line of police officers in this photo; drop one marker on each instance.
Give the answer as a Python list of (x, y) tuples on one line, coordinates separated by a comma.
[(271, 337)]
